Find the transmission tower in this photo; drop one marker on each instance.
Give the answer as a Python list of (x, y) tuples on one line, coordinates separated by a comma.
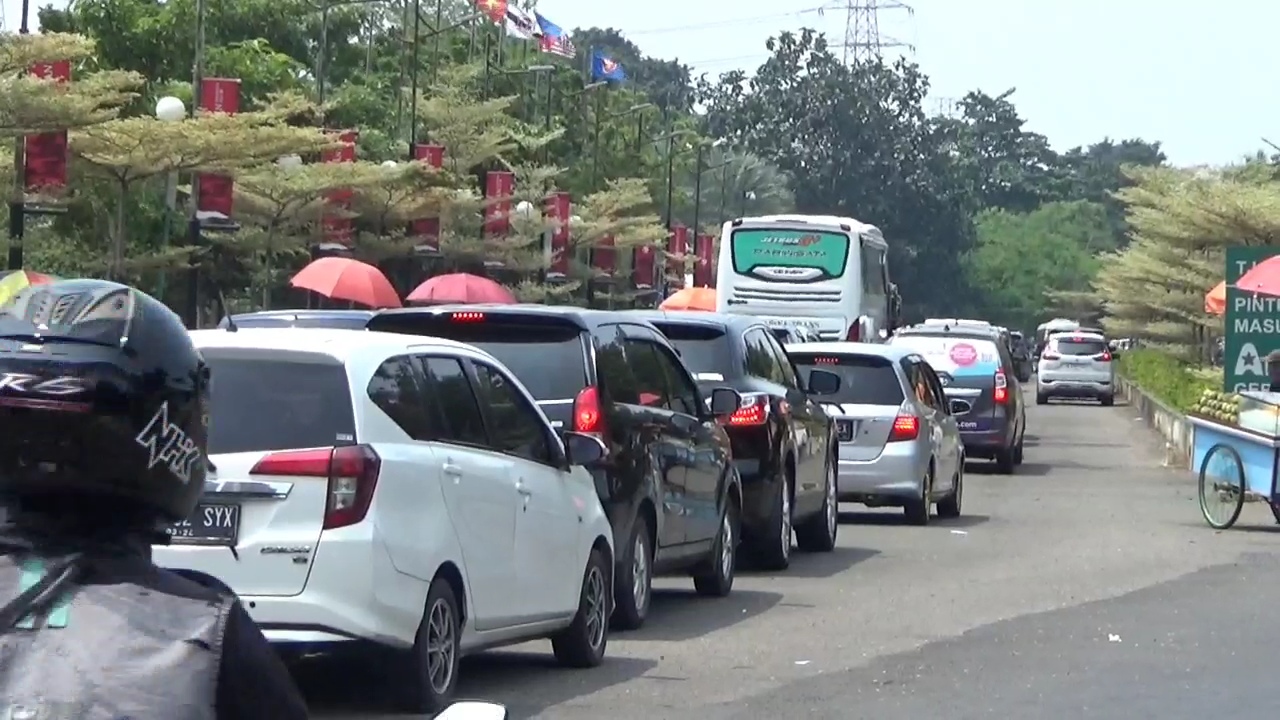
[(862, 38)]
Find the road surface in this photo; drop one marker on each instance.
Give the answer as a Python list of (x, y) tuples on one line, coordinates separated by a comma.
[(1084, 586)]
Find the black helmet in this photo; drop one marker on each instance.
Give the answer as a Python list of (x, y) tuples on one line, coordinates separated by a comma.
[(102, 396)]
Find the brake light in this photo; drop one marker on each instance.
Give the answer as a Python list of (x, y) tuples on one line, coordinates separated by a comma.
[(352, 471), (467, 316), (587, 417), (854, 334), (905, 427), (826, 361), (754, 411), (1002, 388)]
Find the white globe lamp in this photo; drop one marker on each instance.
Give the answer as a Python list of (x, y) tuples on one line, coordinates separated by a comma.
[(524, 209), (389, 164), (170, 109), (289, 162), (575, 219)]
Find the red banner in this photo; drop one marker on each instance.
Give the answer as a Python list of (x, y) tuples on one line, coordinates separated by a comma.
[(704, 268), (46, 153), (642, 266), (428, 229), (558, 211), (338, 228), (605, 256), (218, 95), (498, 186), (677, 247)]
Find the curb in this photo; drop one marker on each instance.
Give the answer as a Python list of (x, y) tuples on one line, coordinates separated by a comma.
[(1178, 434)]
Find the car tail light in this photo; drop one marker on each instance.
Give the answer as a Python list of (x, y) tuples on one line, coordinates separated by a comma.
[(1050, 356), (467, 316), (855, 333), (905, 427), (587, 416), (352, 471), (754, 411), (1105, 356), (1002, 388)]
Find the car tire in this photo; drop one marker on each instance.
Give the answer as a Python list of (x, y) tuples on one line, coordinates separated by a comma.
[(633, 585), (1107, 400), (818, 533), (1042, 399), (430, 677), (582, 644), (715, 578), (949, 507), (917, 511), (1005, 460), (1018, 450), (772, 550)]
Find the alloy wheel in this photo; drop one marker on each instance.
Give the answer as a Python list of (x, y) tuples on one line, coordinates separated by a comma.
[(833, 505), (441, 646), (597, 607), (726, 546), (785, 535), (639, 573)]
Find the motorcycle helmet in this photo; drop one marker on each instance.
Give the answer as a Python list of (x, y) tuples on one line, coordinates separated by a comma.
[(102, 396)]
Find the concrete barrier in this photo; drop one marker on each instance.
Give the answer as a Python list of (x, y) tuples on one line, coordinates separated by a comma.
[(1178, 434)]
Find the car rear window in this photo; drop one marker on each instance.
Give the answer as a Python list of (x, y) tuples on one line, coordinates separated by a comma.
[(259, 403), (956, 356), (703, 349), (1073, 346), (864, 379), (546, 356)]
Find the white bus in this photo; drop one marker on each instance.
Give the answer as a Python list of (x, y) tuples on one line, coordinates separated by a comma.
[(828, 274)]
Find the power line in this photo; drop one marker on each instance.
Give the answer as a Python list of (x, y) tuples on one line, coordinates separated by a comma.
[(862, 38), (725, 23)]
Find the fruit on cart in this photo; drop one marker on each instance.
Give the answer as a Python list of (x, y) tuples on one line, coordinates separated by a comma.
[(1220, 406)]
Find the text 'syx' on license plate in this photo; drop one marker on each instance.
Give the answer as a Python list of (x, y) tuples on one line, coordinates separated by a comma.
[(210, 524)]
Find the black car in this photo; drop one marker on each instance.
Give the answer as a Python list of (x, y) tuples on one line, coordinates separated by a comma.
[(783, 441), (672, 494), (975, 367)]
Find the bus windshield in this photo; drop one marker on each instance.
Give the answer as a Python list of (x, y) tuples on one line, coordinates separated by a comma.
[(798, 256)]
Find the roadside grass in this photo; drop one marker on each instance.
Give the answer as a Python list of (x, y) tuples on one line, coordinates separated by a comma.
[(1168, 379)]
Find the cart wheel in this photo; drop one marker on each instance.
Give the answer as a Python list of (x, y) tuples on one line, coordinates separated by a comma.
[(1221, 487)]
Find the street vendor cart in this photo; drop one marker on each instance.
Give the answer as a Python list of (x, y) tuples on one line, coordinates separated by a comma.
[(1237, 450)]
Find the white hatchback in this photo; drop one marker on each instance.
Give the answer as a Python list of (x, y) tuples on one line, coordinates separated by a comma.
[(1076, 365), (395, 489)]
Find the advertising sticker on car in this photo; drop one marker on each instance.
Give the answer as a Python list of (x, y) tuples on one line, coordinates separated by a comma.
[(963, 354)]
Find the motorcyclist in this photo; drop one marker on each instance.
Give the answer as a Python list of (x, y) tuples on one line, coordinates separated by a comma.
[(102, 445)]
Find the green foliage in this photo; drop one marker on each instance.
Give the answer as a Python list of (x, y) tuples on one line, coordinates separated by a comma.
[(1167, 378)]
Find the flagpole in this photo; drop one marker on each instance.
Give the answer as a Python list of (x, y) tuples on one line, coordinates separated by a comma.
[(435, 50), (488, 63)]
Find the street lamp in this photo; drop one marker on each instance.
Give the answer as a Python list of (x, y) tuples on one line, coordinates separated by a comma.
[(697, 182), (595, 138), (389, 164), (169, 109), (746, 195), (525, 209)]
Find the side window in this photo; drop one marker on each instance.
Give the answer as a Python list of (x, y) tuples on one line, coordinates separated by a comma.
[(651, 381), (448, 387), (684, 394), (786, 370), (873, 272), (616, 377), (515, 427), (394, 389), (760, 361), (935, 387), (919, 385)]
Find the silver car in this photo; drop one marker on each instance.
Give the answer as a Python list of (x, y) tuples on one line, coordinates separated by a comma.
[(899, 442), (1076, 365)]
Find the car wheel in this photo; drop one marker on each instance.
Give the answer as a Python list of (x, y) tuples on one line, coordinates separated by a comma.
[(1005, 460), (716, 578), (917, 510), (949, 507), (818, 533), (1107, 400), (634, 585), (582, 644), (1042, 399), (1017, 451), (431, 675), (772, 550)]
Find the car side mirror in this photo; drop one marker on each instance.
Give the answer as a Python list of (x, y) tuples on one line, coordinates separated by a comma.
[(472, 710), (584, 450), (724, 401), (823, 382)]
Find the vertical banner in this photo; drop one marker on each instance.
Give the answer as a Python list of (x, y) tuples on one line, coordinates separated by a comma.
[(677, 248), (704, 269), (642, 267), (498, 187), (605, 257), (217, 95), (46, 153), (558, 211), (427, 230), (338, 227)]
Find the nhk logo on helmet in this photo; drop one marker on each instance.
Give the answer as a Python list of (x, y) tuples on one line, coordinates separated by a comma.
[(169, 445)]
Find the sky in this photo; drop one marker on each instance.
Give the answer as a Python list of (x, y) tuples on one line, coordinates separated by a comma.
[(1195, 77)]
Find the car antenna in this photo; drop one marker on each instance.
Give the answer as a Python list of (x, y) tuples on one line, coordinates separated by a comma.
[(231, 321)]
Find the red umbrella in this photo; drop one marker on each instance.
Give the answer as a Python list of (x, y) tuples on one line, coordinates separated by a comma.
[(342, 278), (1263, 278), (460, 288)]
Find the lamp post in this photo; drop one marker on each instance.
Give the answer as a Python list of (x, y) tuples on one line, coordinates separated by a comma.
[(168, 109), (697, 182), (18, 202), (746, 195), (595, 135), (436, 32)]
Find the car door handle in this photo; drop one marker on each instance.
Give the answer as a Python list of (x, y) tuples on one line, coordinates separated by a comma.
[(451, 469), (520, 488)]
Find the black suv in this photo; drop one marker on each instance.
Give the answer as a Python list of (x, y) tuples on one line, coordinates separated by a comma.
[(783, 441), (673, 496)]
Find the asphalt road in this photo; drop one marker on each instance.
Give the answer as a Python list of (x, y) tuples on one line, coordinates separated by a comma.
[(1084, 586)]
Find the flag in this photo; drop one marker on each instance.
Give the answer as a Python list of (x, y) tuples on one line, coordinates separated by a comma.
[(495, 10), (606, 68), (555, 40), (521, 24)]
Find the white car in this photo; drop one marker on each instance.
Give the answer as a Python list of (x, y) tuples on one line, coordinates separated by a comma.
[(1076, 365), (400, 490)]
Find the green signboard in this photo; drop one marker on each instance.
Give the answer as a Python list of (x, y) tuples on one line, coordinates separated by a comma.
[(787, 254), (1252, 326)]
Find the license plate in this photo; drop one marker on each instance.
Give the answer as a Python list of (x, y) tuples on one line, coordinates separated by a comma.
[(210, 524), (845, 430)]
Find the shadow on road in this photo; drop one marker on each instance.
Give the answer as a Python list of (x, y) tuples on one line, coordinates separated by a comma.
[(824, 565), (1032, 469), (676, 615), (527, 682), (892, 517)]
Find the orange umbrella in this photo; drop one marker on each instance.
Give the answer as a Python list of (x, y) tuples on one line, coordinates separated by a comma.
[(1215, 301), (342, 278), (691, 298)]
